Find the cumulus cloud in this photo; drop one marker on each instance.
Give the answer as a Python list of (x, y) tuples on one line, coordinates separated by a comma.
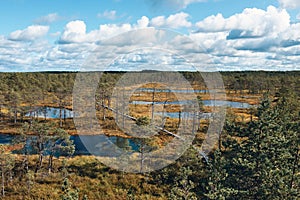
[(292, 4), (110, 30), (30, 33), (74, 31), (108, 14), (177, 20), (250, 40), (48, 19), (252, 22), (143, 22), (21, 56), (254, 39)]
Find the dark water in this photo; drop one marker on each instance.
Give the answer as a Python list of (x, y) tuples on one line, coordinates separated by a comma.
[(96, 142), (51, 113), (6, 138), (232, 104), (93, 142), (176, 115)]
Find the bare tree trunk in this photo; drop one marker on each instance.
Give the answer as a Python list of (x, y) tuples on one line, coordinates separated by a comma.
[(117, 109), (65, 115), (104, 111), (3, 182), (60, 116), (179, 118), (152, 111), (39, 165), (194, 121), (45, 113), (123, 110), (50, 163), (142, 156), (15, 116), (199, 120)]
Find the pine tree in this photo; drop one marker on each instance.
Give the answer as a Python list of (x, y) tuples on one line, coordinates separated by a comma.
[(45, 140), (29, 180), (183, 188), (218, 175), (263, 165), (68, 192), (7, 162)]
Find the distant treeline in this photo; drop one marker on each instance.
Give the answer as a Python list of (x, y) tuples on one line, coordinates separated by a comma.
[(36, 88), (247, 81)]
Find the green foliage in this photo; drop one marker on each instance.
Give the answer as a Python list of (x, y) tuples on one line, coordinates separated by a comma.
[(217, 187), (7, 162), (68, 192), (200, 103), (30, 180), (183, 188), (46, 140), (85, 197), (256, 160), (143, 121), (263, 166)]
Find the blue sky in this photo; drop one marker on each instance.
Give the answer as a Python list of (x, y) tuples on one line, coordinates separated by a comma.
[(236, 35)]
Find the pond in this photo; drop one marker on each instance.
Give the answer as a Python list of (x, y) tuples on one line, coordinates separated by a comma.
[(53, 113), (6, 138), (92, 140), (176, 115), (232, 104), (50, 113)]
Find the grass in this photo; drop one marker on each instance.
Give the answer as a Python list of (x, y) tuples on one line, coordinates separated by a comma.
[(93, 178)]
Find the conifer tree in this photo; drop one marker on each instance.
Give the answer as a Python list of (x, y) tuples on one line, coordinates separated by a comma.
[(68, 192), (263, 165), (183, 188), (7, 162)]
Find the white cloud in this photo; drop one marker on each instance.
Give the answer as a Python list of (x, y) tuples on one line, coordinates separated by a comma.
[(110, 30), (298, 16), (75, 31), (21, 56), (208, 41), (254, 39), (143, 22), (173, 21), (252, 22), (292, 4), (30, 33), (251, 40), (293, 33), (48, 19), (112, 14)]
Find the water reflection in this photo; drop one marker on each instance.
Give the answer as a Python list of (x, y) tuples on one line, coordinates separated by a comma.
[(232, 104), (50, 113)]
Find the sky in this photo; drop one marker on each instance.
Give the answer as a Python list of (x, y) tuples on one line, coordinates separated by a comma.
[(208, 35)]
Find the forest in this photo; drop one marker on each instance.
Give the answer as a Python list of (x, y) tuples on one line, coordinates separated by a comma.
[(256, 155)]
